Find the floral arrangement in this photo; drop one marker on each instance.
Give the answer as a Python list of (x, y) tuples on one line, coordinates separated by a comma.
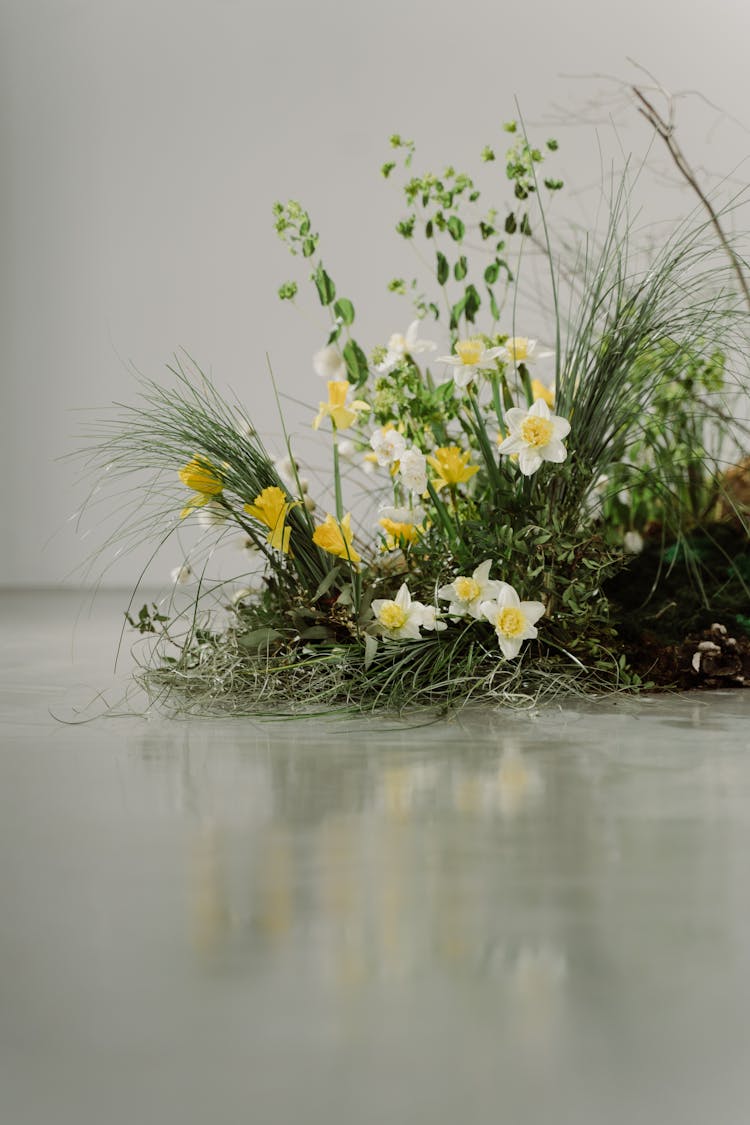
[(513, 484)]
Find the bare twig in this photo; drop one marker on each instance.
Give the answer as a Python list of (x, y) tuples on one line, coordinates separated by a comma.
[(664, 127)]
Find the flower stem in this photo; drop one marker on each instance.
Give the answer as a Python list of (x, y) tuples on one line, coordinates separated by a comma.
[(337, 477)]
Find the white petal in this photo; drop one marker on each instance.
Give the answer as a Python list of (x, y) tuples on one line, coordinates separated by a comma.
[(532, 611), (540, 409), (554, 451), (560, 426), (509, 648), (529, 461), (403, 597), (490, 610), (452, 360), (463, 375), (514, 417), (508, 598), (447, 593), (482, 573), (511, 444)]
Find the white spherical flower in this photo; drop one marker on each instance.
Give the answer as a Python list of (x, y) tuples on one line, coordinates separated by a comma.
[(470, 357), (519, 349), (514, 621), (211, 514), (182, 575), (536, 436), (402, 345), (329, 364), (633, 542), (466, 595), (413, 470), (388, 445), (347, 449)]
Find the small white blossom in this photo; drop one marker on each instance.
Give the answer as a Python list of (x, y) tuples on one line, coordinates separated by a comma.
[(632, 542), (466, 595), (412, 516), (388, 445), (347, 449), (211, 514), (536, 436), (471, 356), (182, 575), (413, 470), (329, 364), (402, 345), (514, 621), (401, 618)]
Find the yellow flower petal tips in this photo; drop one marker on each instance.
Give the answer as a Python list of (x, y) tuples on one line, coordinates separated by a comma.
[(336, 538), (204, 480), (272, 508), (341, 413), (452, 466)]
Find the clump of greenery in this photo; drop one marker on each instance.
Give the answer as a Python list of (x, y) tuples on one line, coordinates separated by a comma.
[(507, 501)]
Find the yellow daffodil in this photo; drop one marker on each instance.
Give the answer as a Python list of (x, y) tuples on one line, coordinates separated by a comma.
[(336, 538), (540, 391), (204, 480), (341, 412), (452, 466), (272, 508)]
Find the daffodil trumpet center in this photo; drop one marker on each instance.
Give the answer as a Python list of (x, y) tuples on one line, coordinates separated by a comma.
[(518, 349), (392, 616), (467, 589), (469, 352), (510, 622), (536, 432)]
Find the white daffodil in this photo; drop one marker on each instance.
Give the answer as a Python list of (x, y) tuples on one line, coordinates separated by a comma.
[(400, 618), (388, 445), (514, 621), (471, 356), (400, 346), (519, 349), (536, 436), (329, 364), (466, 595), (347, 450), (412, 468)]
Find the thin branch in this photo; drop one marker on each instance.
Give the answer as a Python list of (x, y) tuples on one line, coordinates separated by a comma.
[(665, 128)]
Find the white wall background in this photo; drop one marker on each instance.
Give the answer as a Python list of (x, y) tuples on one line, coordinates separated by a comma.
[(144, 141)]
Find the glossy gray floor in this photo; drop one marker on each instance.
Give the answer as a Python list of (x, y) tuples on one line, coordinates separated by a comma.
[(501, 919)]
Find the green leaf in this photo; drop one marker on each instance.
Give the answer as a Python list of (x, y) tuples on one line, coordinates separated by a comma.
[(473, 301), (324, 285), (333, 574), (371, 647), (456, 228), (345, 310), (356, 363), (258, 638), (443, 269), (492, 273), (308, 247), (461, 268), (511, 224)]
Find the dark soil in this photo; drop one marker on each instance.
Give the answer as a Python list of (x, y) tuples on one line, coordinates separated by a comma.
[(683, 615)]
